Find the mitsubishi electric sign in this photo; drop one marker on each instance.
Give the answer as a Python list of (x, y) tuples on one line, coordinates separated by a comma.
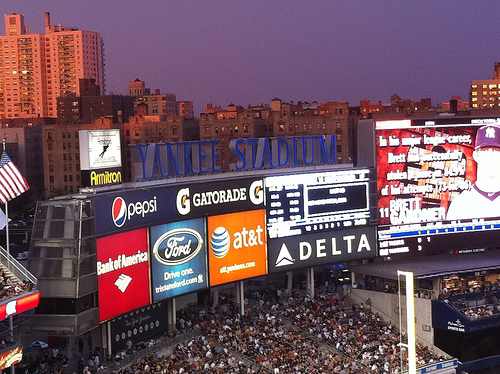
[(321, 248)]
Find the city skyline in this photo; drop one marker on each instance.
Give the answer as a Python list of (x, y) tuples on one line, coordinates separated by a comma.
[(250, 52)]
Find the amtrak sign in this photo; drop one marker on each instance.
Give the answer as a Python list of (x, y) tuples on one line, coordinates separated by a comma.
[(163, 160), (321, 248)]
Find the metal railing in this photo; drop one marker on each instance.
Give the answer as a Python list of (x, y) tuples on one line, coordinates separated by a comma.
[(16, 268)]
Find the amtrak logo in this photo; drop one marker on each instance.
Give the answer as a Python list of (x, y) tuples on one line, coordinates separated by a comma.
[(119, 211), (284, 257), (123, 282), (490, 133)]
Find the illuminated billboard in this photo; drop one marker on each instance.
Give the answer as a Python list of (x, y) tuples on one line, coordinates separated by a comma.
[(123, 273), (19, 304), (136, 208), (299, 204), (178, 258), (237, 246), (438, 184), (321, 248)]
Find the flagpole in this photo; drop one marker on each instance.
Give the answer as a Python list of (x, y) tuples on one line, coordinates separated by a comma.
[(7, 241)]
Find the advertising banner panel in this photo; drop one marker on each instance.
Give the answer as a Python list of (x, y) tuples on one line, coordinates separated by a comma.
[(438, 183), (321, 248), (222, 197), (142, 208), (178, 258), (123, 273), (133, 209), (139, 325), (311, 202), (237, 246), (11, 357)]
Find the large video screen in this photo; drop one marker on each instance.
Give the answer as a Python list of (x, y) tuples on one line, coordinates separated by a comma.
[(299, 204), (438, 185)]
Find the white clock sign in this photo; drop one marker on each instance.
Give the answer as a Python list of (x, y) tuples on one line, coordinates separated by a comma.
[(100, 149)]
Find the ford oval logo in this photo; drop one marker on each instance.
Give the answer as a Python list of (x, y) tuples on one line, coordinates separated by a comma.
[(178, 246)]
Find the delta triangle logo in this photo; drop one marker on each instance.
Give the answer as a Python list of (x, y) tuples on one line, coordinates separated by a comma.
[(284, 257)]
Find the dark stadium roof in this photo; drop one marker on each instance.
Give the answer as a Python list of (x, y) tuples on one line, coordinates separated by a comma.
[(433, 266)]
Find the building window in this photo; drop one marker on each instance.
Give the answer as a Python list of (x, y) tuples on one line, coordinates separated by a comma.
[(51, 168), (207, 130), (50, 146), (339, 126), (51, 157), (51, 178), (339, 148), (174, 131), (64, 145), (245, 128)]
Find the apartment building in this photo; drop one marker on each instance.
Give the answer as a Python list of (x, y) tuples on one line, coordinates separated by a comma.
[(36, 69)]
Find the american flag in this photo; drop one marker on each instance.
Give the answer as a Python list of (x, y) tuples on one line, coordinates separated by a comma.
[(12, 183)]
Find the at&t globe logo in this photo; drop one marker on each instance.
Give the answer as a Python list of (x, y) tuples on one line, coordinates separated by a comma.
[(220, 242), (122, 212)]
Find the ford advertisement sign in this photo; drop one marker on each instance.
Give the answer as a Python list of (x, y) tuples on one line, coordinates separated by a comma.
[(178, 260)]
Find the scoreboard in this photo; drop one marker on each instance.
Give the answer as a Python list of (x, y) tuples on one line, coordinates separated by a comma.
[(304, 203)]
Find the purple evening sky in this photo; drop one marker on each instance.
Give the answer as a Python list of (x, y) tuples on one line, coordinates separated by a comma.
[(248, 52)]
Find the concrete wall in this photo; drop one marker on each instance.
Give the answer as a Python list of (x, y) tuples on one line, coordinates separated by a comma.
[(387, 305)]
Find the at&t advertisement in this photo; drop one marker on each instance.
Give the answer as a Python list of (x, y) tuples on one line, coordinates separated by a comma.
[(178, 258), (237, 246)]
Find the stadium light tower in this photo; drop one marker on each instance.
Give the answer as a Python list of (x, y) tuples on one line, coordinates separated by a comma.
[(410, 321)]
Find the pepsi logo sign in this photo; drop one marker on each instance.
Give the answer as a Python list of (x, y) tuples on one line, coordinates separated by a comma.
[(122, 212), (178, 246)]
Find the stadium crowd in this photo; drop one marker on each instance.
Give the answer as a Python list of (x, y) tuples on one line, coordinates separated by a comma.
[(286, 333)]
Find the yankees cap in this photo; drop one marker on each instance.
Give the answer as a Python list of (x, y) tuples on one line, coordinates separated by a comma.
[(488, 136)]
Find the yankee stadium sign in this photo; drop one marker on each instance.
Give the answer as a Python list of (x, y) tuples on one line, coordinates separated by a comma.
[(162, 160)]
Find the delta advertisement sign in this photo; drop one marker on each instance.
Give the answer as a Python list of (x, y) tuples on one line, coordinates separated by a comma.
[(237, 246), (319, 248), (123, 273), (438, 184), (140, 208), (178, 261)]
